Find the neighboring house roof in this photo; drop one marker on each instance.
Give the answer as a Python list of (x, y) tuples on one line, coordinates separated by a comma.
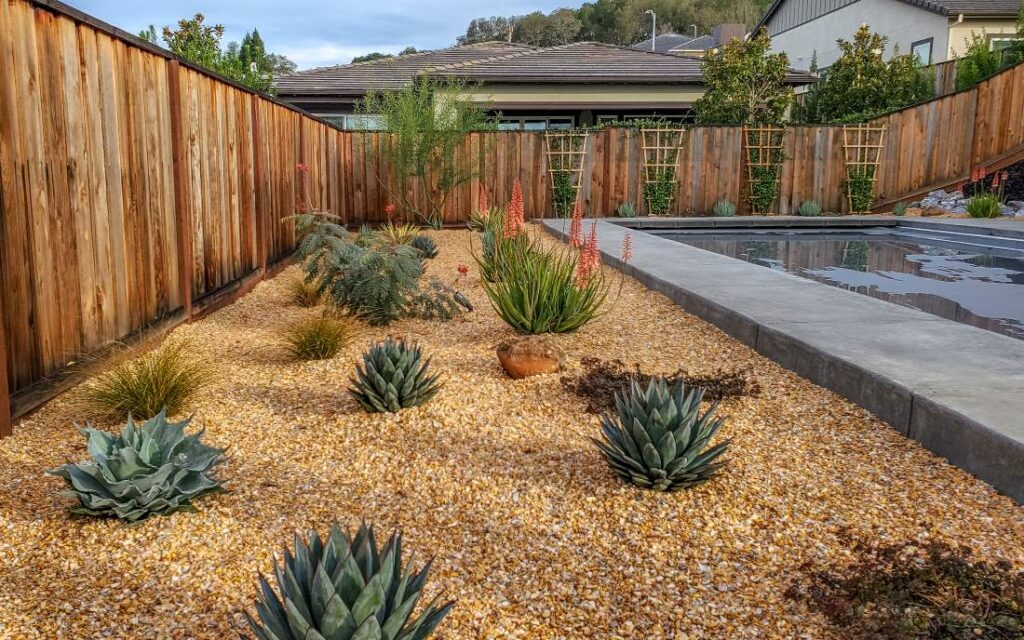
[(665, 42), (697, 44), (580, 62), (942, 7)]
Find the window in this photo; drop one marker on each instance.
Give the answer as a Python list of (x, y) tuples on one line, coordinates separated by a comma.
[(922, 50), (353, 122), (534, 123)]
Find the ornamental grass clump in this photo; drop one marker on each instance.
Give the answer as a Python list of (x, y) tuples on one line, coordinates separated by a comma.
[(984, 205), (542, 291), (810, 209), (341, 587), (148, 470), (394, 376), (167, 378), (304, 293), (658, 439), (318, 338), (723, 209)]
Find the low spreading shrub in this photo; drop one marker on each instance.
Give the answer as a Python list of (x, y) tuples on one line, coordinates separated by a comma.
[(425, 245), (600, 380), (148, 470), (810, 209), (723, 209), (318, 338), (345, 587), (540, 291), (984, 205), (916, 591), (167, 378), (659, 437), (393, 376)]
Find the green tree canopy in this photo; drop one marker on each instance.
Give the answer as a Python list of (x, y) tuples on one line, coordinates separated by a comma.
[(745, 84), (861, 84)]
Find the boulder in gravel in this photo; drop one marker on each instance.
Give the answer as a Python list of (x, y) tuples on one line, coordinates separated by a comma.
[(526, 356)]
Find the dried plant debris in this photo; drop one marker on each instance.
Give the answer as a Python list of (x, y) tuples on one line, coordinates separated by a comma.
[(600, 380), (912, 591)]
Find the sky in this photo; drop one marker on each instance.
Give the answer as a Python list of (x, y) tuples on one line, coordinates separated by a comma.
[(317, 33)]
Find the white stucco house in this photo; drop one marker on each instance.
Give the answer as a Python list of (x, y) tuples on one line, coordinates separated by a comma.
[(935, 30)]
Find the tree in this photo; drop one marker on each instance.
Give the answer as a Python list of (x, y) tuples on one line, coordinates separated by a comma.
[(369, 57), (196, 42), (148, 34), (486, 30), (861, 84), (428, 121), (745, 84), (280, 65)]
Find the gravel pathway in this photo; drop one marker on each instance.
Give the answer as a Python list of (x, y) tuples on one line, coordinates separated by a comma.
[(533, 534)]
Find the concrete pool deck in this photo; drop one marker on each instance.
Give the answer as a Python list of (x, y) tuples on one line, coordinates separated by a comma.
[(956, 389)]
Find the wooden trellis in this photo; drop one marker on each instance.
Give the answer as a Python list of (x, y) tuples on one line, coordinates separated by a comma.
[(566, 153), (661, 149), (862, 155), (764, 146)]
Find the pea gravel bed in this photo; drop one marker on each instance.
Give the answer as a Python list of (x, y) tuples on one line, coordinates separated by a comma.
[(532, 533)]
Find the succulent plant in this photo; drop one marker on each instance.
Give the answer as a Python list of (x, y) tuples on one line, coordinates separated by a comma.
[(626, 210), (344, 588), (658, 438), (393, 376), (810, 209), (393, 233), (152, 469), (723, 209), (900, 209), (425, 245)]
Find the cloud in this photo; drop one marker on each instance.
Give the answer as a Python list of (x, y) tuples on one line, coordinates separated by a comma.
[(324, 54)]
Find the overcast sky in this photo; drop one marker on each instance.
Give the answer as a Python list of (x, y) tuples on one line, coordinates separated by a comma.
[(319, 32)]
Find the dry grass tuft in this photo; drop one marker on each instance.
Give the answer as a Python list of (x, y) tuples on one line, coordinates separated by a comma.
[(318, 338), (166, 377), (304, 293)]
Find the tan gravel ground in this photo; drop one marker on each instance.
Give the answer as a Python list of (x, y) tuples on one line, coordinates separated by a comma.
[(533, 534)]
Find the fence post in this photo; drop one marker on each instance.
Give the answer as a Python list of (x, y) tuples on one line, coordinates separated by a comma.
[(6, 427), (262, 237), (181, 204)]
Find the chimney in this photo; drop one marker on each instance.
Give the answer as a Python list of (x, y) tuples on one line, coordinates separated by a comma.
[(724, 33)]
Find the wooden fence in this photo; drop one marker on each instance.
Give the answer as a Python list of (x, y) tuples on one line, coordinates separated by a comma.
[(137, 191)]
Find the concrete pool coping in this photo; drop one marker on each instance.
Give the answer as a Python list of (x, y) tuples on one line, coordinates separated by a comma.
[(956, 389)]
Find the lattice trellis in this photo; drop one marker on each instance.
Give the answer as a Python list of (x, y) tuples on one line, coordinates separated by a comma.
[(764, 147), (862, 155), (566, 153), (661, 149)]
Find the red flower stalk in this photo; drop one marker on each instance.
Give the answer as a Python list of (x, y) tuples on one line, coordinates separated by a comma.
[(576, 227), (627, 247), (590, 258), (515, 217), (995, 180), (389, 209), (482, 204)]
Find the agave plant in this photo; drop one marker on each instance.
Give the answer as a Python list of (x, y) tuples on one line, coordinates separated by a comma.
[(152, 469), (626, 210), (480, 221), (425, 245), (344, 588), (393, 376), (398, 233), (658, 438)]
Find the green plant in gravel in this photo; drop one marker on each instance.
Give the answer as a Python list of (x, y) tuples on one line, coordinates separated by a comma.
[(496, 252), (723, 209), (810, 209), (438, 301), (538, 290), (317, 338), (658, 439), (168, 377), (480, 221), (345, 588), (305, 294), (563, 192), (860, 185), (626, 210), (900, 209), (147, 470), (393, 233), (393, 376), (425, 245), (984, 205), (659, 191)]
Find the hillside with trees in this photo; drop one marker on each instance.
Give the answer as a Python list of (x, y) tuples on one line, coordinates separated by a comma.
[(613, 21)]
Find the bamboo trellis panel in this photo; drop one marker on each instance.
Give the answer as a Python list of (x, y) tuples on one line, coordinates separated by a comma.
[(862, 155), (661, 148), (765, 146), (566, 153)]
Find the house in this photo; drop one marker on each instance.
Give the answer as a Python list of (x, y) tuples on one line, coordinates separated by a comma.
[(693, 46), (935, 30), (525, 87)]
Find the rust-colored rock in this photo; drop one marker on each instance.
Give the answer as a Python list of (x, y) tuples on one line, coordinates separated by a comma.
[(529, 356)]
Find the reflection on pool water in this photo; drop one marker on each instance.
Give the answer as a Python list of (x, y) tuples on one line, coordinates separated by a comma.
[(980, 286)]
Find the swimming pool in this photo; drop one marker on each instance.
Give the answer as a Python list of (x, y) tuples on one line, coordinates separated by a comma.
[(975, 284)]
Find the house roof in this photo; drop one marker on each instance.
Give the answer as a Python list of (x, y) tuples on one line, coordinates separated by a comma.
[(668, 42), (580, 62), (941, 7)]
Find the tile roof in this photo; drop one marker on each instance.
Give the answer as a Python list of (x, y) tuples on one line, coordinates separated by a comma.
[(580, 62)]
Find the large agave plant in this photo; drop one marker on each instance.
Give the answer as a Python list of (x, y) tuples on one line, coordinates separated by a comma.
[(659, 436), (393, 376), (152, 469), (344, 588)]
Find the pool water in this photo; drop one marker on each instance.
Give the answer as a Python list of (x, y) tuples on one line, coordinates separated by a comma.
[(976, 285)]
